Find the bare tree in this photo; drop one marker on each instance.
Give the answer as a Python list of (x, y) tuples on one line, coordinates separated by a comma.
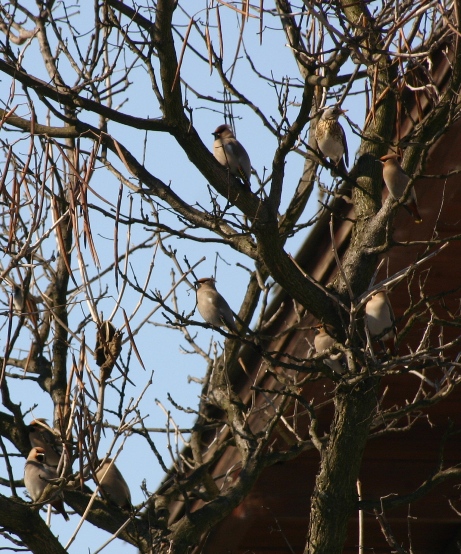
[(88, 102)]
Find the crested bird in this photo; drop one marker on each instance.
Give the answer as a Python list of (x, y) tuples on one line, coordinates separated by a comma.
[(324, 341), (396, 181), (212, 306), (231, 154), (331, 138), (113, 485), (43, 436), (37, 474), (380, 320)]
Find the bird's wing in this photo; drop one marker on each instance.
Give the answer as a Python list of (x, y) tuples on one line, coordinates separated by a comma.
[(226, 315), (391, 315), (346, 151), (240, 155)]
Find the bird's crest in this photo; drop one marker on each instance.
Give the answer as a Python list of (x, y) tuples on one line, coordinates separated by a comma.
[(221, 129)]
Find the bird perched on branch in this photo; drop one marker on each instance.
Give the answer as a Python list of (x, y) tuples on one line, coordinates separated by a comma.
[(43, 436), (37, 475), (231, 154), (380, 320), (396, 181), (113, 485), (18, 298), (26, 305), (324, 341), (212, 306), (331, 138)]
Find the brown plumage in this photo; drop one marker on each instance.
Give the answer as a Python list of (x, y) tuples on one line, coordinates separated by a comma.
[(323, 341), (331, 138), (380, 320), (113, 485), (43, 436), (37, 474), (212, 306), (231, 154), (396, 181)]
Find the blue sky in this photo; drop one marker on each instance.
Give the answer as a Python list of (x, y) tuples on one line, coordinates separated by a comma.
[(161, 349)]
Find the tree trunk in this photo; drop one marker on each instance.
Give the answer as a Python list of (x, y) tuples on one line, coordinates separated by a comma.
[(335, 496)]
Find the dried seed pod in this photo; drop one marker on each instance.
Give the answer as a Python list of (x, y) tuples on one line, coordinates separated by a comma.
[(108, 348)]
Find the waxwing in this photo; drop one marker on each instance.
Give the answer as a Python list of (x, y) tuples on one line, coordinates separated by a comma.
[(380, 320), (37, 474), (42, 435), (396, 181), (113, 485), (322, 342), (212, 306), (231, 154)]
